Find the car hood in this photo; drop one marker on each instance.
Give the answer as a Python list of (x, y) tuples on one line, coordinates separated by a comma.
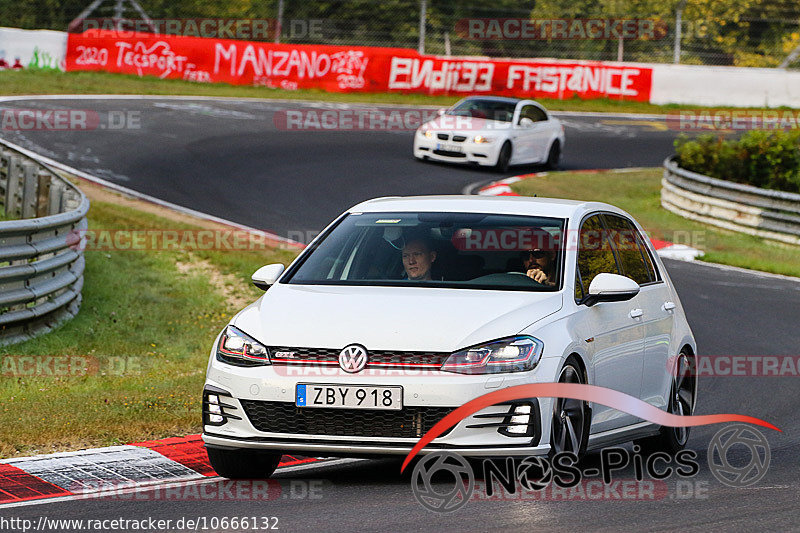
[(466, 125), (391, 318)]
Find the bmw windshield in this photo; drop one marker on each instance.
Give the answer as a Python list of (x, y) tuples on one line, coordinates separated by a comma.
[(499, 110), (454, 250)]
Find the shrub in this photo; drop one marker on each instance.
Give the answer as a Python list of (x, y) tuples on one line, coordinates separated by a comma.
[(767, 159)]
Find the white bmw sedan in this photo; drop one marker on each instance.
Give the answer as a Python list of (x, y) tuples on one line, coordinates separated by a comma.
[(404, 309), (492, 131)]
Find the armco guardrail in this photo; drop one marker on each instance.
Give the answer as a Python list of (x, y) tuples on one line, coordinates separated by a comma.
[(762, 212), (41, 269)]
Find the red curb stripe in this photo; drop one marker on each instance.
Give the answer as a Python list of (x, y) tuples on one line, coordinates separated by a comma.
[(658, 244), (190, 452), (16, 485), (288, 460)]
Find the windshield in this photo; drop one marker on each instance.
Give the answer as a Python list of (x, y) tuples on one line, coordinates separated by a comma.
[(457, 250), (486, 109)]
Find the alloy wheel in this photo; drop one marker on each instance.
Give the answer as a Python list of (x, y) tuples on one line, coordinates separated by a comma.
[(569, 418), (681, 400)]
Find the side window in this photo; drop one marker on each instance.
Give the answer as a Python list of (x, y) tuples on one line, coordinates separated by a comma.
[(624, 236), (654, 275), (538, 114), (595, 255), (532, 112)]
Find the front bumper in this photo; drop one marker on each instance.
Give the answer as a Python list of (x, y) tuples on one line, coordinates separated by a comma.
[(473, 436), (360, 449), (481, 154)]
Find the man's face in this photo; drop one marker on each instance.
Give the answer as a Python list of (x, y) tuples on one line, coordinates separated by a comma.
[(538, 259), (417, 260)]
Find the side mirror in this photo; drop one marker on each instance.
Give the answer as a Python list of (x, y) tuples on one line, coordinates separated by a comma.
[(266, 276), (610, 288), (525, 122), (441, 111)]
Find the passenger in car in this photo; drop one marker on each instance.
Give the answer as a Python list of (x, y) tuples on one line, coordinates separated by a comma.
[(418, 258)]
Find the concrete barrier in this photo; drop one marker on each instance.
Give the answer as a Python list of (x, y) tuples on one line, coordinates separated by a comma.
[(765, 213)]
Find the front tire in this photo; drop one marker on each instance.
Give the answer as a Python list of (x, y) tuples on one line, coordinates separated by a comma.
[(569, 430), (504, 157), (243, 463), (682, 399), (554, 155)]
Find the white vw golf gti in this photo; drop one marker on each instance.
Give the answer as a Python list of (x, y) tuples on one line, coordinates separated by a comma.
[(404, 309)]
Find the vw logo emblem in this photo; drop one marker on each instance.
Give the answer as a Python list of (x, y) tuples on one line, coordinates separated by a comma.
[(353, 358)]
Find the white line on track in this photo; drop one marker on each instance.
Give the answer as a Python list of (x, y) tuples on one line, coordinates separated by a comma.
[(747, 272), (141, 196), (342, 105)]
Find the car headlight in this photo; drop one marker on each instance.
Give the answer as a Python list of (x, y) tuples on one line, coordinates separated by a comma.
[(238, 348), (480, 139), (427, 133), (514, 354)]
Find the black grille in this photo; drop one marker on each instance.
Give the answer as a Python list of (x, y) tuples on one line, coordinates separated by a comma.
[(443, 136), (459, 138), (448, 153), (377, 358), (284, 417)]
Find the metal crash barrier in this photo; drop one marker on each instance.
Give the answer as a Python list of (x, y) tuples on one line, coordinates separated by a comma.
[(42, 216)]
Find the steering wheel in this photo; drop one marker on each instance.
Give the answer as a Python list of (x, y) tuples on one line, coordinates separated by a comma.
[(527, 276)]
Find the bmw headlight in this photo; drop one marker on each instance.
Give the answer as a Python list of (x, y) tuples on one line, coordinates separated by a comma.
[(480, 139), (513, 354), (238, 348), (428, 134)]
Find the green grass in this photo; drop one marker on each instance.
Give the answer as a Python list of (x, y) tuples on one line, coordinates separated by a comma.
[(638, 193), (148, 326), (53, 82)]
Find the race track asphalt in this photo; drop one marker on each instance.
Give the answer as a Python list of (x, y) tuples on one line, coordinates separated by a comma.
[(231, 160)]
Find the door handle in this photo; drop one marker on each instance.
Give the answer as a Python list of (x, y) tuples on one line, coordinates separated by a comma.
[(636, 313), (668, 306)]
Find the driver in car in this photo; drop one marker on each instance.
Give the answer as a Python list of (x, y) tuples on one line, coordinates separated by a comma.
[(539, 261), (418, 258), (540, 266)]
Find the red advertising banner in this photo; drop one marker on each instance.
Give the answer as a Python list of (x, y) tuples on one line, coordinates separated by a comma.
[(349, 68)]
